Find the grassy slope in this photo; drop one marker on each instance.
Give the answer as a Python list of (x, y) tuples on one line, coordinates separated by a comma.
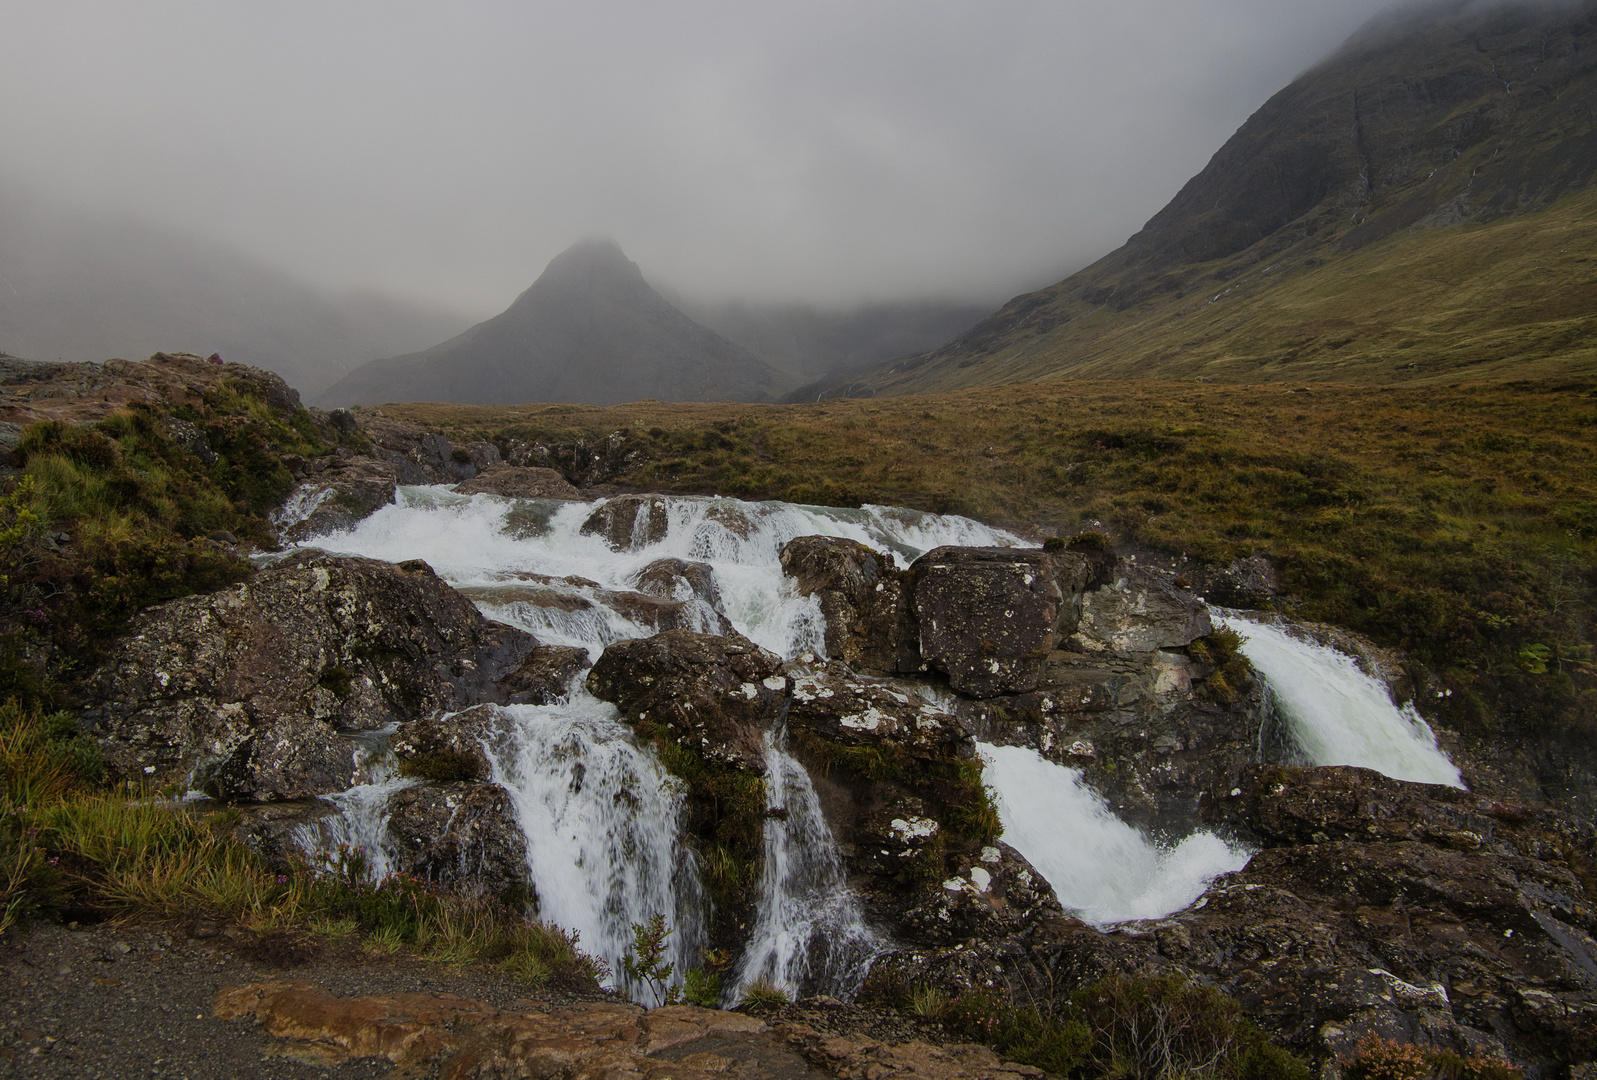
[(1515, 298), (1457, 521)]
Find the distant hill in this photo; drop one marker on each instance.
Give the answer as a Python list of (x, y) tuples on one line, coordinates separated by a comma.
[(91, 287), (806, 343), (1418, 206), (590, 330)]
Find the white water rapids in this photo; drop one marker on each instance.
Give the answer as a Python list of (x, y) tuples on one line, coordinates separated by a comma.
[(600, 815)]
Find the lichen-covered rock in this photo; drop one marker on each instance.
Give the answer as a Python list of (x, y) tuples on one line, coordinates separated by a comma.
[(420, 456), (1140, 612), (448, 742), (464, 836), (519, 482), (990, 894), (861, 593), (717, 695), (834, 703), (629, 522), (547, 675), (987, 617), (253, 684), (679, 579)]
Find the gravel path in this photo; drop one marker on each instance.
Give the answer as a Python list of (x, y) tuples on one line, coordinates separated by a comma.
[(135, 1001)]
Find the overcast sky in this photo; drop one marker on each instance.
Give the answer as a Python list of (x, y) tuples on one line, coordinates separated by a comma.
[(803, 151)]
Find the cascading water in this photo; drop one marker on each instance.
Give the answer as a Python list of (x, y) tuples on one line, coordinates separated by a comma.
[(600, 816), (1336, 714), (809, 931), (1097, 864), (598, 812)]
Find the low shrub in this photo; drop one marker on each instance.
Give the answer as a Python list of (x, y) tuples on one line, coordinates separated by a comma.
[(1386, 1059)]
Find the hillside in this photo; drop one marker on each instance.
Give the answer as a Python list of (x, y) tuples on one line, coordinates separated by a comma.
[(1416, 207), (590, 330)]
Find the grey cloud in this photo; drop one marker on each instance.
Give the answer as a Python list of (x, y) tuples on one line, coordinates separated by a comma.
[(826, 152)]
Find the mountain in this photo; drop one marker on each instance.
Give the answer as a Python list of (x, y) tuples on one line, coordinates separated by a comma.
[(1417, 206), (589, 330), (90, 287), (805, 343)]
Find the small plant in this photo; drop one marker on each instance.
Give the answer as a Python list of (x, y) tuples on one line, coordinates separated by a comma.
[(1386, 1059), (764, 992), (701, 988), (646, 965)]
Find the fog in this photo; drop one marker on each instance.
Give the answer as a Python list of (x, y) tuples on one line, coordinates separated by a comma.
[(824, 152)]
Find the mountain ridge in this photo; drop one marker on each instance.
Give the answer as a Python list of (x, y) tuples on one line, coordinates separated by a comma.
[(1424, 128), (590, 330)]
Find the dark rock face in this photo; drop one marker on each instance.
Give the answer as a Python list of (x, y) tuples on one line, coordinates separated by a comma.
[(345, 491), (253, 684), (988, 616), (420, 456), (591, 330), (583, 464), (629, 522), (861, 593), (718, 695), (519, 482), (464, 836)]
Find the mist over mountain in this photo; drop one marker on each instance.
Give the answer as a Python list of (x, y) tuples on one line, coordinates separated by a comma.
[(90, 287), (1414, 206), (590, 330), (806, 343)]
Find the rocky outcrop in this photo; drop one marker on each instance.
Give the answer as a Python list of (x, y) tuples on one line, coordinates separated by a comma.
[(250, 688), (718, 695), (420, 456), (518, 482), (861, 593), (461, 836), (629, 522), (334, 494), (987, 617), (583, 463)]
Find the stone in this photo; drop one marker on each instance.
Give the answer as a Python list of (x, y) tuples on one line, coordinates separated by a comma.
[(1141, 612), (463, 836), (340, 493), (718, 695), (987, 617), (255, 684), (518, 482), (861, 593), (629, 522)]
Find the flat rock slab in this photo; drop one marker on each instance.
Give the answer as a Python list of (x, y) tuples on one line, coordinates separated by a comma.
[(454, 1038)]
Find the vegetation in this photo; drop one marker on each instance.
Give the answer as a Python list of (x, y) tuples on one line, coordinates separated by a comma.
[(1456, 522), (1165, 1028), (1384, 1059), (71, 849)]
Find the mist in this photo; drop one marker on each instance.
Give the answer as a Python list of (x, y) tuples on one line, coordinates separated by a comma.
[(829, 153)]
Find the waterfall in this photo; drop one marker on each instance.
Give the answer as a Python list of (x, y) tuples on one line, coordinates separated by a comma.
[(809, 935), (600, 817), (1099, 866), (599, 814), (1333, 713)]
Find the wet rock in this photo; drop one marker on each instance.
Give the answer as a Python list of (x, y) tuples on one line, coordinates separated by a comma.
[(420, 456), (989, 895), (547, 675), (987, 617), (254, 684), (861, 593), (679, 579), (718, 695), (464, 836), (571, 596), (834, 703), (629, 522), (518, 482), (1139, 612), (449, 743), (340, 493)]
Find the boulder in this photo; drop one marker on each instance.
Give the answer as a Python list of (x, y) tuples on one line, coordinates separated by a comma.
[(252, 685), (582, 463), (1140, 612), (337, 493), (629, 522), (463, 836), (987, 617), (449, 743), (861, 593), (679, 579), (420, 456), (518, 482), (546, 676), (717, 695)]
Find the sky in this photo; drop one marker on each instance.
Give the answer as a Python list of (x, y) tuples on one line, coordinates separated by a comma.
[(820, 152)]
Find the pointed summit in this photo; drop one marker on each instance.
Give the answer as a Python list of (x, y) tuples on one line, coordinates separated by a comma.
[(590, 330)]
